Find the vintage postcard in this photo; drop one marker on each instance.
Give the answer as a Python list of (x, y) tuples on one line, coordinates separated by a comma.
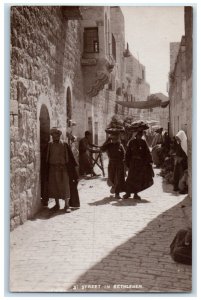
[(101, 148)]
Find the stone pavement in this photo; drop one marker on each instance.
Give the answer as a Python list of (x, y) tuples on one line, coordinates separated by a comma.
[(107, 245)]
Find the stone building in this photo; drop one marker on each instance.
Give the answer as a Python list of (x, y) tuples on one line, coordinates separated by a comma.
[(188, 18), (102, 65), (67, 63), (135, 87), (46, 88), (177, 92), (159, 114), (180, 86)]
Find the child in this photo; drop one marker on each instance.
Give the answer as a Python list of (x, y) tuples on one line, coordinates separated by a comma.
[(116, 154)]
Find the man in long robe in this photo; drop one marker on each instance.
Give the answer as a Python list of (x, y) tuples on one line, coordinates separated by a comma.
[(85, 161), (58, 177)]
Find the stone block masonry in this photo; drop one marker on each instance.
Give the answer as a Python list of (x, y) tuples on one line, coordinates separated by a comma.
[(50, 85), (45, 61)]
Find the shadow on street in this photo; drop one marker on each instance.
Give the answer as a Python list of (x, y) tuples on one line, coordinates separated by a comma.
[(130, 202), (143, 260), (104, 201), (46, 213), (118, 202)]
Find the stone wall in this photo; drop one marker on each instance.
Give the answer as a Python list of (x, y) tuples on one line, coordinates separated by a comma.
[(136, 77), (118, 30), (189, 93), (45, 60), (177, 93), (181, 89), (49, 83), (174, 50)]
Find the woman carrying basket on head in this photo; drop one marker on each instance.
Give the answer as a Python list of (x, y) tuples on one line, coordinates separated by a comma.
[(138, 161), (116, 154)]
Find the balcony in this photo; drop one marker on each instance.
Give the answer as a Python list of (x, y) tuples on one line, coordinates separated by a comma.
[(96, 74)]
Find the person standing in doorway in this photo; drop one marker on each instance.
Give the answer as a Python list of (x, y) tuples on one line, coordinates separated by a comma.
[(58, 177)]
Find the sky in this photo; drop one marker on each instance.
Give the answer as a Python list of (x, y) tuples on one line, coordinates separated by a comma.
[(149, 31)]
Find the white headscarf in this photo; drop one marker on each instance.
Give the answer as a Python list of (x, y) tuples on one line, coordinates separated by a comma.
[(183, 138)]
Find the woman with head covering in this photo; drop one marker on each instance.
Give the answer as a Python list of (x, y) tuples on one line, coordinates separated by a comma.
[(138, 161), (182, 139), (116, 154), (180, 162)]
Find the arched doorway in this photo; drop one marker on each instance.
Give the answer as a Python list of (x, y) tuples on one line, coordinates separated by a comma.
[(44, 139)]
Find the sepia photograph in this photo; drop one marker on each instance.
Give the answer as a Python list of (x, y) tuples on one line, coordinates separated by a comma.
[(101, 102)]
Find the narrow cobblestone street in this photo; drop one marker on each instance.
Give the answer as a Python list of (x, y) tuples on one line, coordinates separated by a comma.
[(107, 245)]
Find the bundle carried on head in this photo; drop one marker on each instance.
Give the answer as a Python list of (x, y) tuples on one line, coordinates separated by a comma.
[(128, 120), (115, 126), (137, 126)]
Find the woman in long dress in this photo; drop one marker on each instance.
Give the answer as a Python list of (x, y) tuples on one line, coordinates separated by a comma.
[(116, 155), (139, 163)]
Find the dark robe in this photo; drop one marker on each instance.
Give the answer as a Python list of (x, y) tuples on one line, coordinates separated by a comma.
[(181, 164), (116, 154), (73, 179), (58, 178), (85, 162), (138, 160), (181, 247), (58, 183)]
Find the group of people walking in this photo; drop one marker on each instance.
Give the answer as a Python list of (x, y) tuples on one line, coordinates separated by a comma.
[(135, 157), (130, 168)]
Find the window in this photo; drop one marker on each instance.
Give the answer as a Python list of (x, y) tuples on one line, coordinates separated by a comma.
[(91, 44), (113, 47)]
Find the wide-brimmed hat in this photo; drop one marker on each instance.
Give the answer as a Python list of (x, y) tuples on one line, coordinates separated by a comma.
[(138, 126), (54, 130)]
